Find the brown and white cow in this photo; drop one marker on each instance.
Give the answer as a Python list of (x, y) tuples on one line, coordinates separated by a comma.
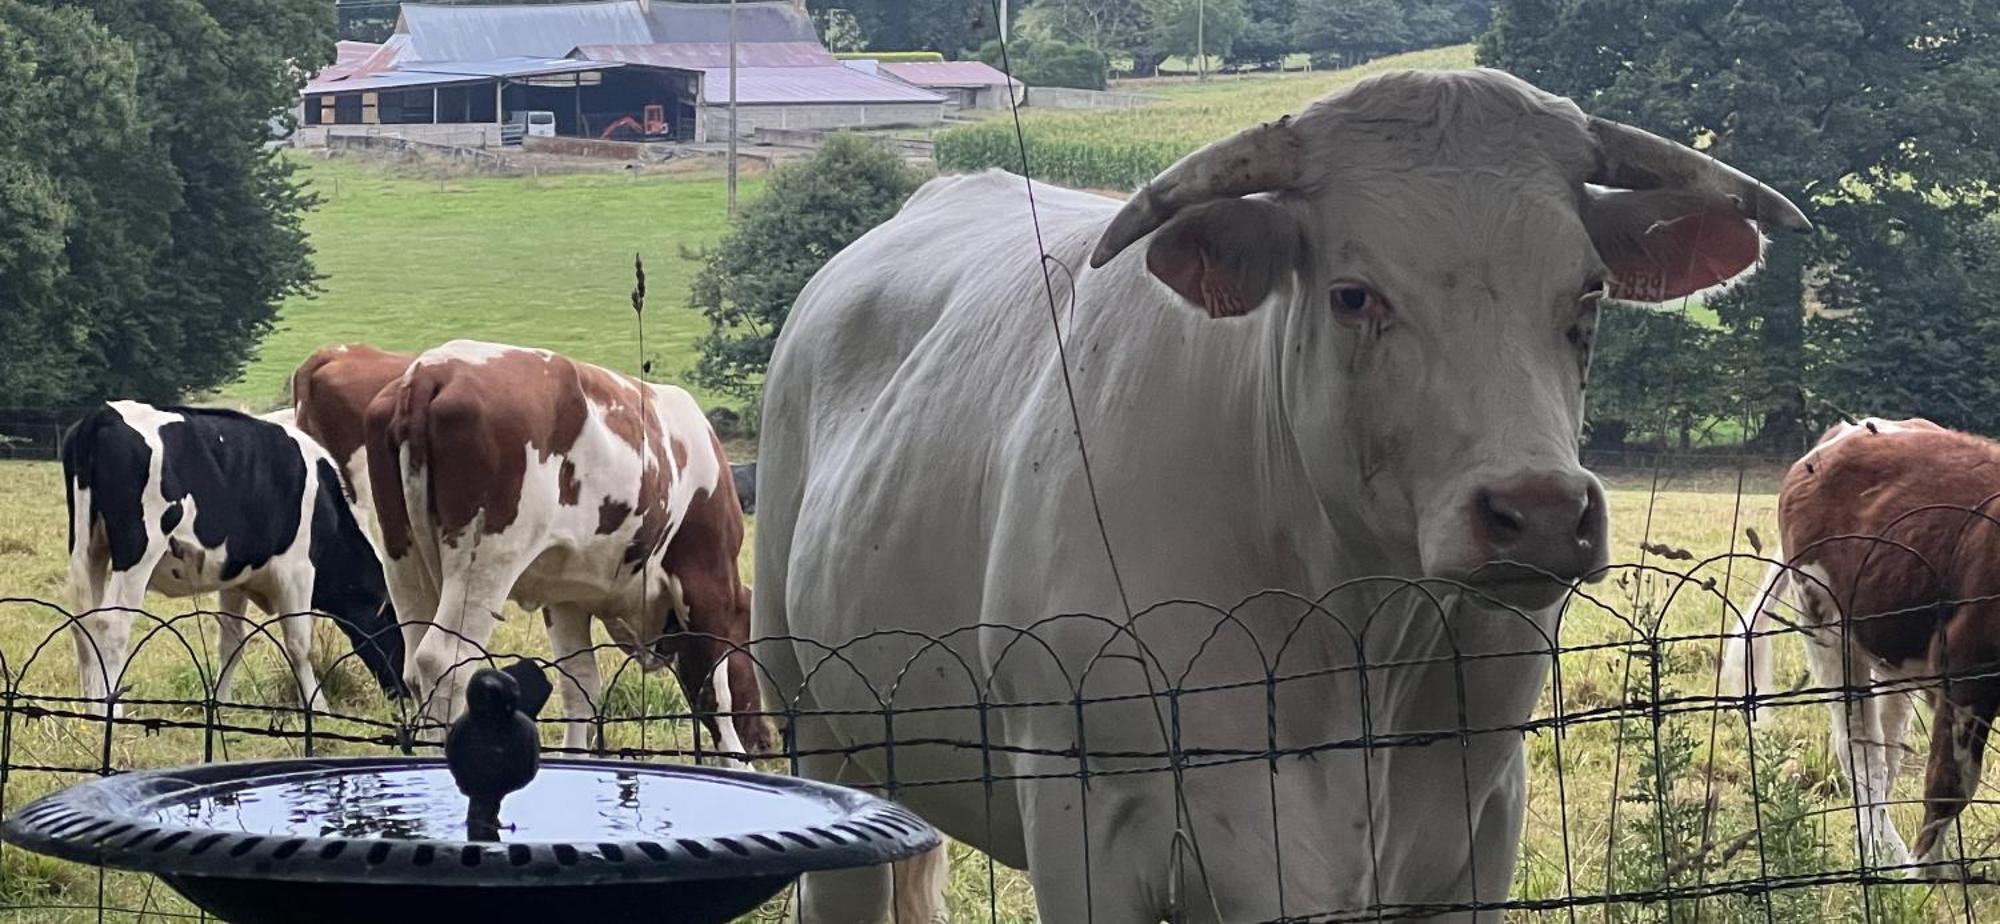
[(503, 472), (330, 395), (1891, 541)]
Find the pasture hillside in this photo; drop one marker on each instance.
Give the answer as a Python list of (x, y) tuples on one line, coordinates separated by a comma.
[(1119, 149), (411, 260)]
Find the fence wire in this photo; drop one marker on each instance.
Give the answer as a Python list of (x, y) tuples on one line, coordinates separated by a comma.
[(1656, 789)]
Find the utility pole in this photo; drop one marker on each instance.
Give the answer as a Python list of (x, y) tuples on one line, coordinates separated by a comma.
[(1200, 45), (732, 108), (1003, 21)]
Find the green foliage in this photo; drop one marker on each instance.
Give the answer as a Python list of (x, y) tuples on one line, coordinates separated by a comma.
[(1639, 349), (950, 26), (1180, 27), (1110, 27), (808, 212), (841, 33), (147, 236), (1048, 63), (1869, 116)]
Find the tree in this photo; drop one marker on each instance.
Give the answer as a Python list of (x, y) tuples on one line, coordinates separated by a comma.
[(1346, 32), (1179, 27), (148, 235), (1872, 117), (1048, 63), (808, 212), (1107, 27), (1267, 33), (953, 27)]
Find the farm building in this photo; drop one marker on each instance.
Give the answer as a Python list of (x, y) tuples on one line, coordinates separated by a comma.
[(608, 69), (963, 84)]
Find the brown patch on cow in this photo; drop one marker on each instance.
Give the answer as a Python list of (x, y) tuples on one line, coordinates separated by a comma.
[(331, 392), (610, 515), (1903, 523), (568, 489)]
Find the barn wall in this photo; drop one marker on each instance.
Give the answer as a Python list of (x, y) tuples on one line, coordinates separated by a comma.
[(715, 119), (457, 135)]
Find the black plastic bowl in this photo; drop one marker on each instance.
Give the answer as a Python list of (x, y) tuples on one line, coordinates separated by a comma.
[(286, 840)]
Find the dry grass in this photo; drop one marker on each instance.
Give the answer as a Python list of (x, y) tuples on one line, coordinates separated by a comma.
[(1598, 823)]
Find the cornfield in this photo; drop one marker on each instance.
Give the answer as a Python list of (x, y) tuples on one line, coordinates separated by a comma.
[(1119, 149)]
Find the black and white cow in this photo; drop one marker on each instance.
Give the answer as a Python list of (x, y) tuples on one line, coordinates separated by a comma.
[(189, 501)]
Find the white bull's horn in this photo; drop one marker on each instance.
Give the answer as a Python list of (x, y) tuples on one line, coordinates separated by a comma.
[(1254, 160), (1630, 158)]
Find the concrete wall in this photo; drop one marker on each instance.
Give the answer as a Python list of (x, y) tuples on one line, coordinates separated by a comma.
[(474, 135), (1066, 98), (715, 119)]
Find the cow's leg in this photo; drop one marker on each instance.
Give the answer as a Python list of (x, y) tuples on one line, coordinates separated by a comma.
[(413, 592), (576, 663), (295, 618), (1963, 708), (479, 572), (715, 671), (1854, 727), (232, 629), (103, 636), (866, 895)]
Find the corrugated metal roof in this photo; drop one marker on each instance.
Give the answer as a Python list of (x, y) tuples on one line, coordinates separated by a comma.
[(709, 22), (806, 85), (390, 80), (697, 55), (483, 33), (946, 73), (509, 67)]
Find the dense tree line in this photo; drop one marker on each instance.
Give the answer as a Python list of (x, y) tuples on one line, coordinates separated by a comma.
[(147, 234), (1878, 119)]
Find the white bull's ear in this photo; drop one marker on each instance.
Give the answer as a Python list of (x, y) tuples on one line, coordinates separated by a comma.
[(1226, 257), (1664, 244)]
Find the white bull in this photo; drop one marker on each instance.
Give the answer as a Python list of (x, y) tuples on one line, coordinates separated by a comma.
[(1394, 297)]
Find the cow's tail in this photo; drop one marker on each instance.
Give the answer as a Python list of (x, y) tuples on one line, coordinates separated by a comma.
[(1746, 654), (79, 462), (399, 476)]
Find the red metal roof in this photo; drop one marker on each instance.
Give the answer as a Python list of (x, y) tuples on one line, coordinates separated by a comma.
[(698, 55), (946, 73), (807, 85)]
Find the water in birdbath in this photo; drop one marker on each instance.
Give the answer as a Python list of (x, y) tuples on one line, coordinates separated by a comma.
[(561, 804)]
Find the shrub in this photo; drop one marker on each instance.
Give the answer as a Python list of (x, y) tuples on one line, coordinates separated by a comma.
[(1049, 63), (808, 212)]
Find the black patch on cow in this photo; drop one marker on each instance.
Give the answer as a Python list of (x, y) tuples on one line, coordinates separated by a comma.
[(348, 584), (102, 454), (246, 476), (170, 518)]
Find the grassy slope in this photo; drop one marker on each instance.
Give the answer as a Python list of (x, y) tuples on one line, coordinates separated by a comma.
[(411, 262)]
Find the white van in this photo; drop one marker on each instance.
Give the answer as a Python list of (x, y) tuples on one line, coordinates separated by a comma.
[(541, 123)]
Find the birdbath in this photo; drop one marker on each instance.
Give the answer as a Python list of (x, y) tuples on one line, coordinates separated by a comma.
[(385, 838)]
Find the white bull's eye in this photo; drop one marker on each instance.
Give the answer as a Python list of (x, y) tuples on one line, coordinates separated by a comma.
[(1354, 303)]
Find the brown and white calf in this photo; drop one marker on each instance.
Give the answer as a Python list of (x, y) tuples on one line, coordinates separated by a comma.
[(503, 472), (330, 395), (1890, 542)]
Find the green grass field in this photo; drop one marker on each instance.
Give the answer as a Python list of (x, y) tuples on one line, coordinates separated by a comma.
[(412, 260), (1616, 803)]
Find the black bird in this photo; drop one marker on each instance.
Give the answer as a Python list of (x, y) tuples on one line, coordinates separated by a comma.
[(492, 750)]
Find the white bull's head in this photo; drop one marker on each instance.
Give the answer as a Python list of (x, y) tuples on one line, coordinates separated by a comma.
[(1439, 243)]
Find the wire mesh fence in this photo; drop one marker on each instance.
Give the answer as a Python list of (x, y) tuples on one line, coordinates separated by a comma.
[(1654, 786)]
